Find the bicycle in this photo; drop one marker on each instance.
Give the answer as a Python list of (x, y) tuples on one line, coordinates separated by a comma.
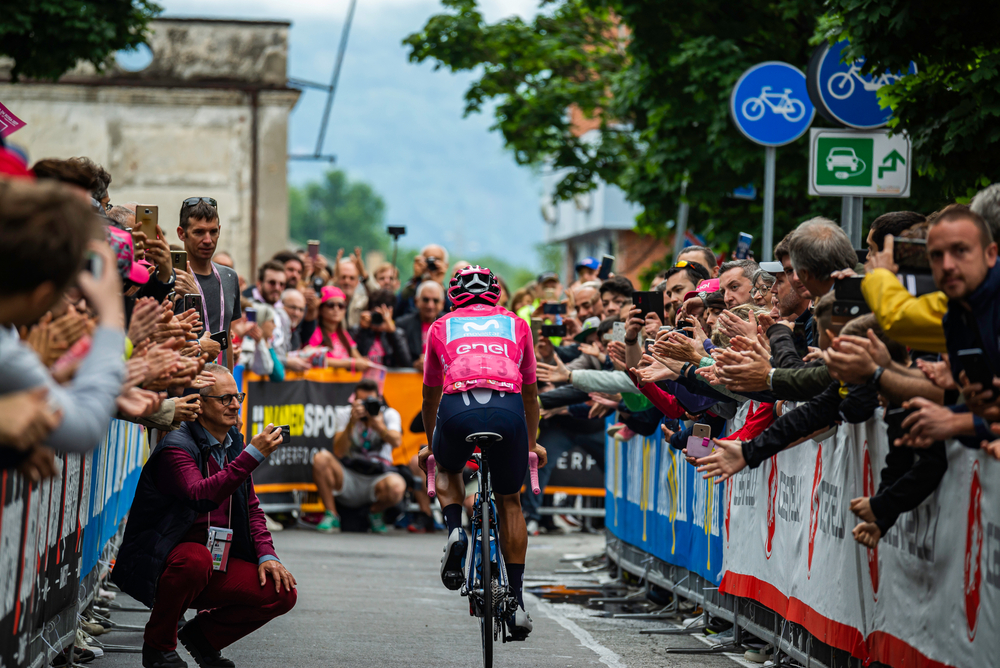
[(497, 601), (793, 110), (841, 84)]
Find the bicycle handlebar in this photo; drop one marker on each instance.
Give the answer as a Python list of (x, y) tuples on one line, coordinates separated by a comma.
[(431, 477), (533, 472)]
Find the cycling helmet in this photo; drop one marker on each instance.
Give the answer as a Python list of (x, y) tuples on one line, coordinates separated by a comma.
[(474, 284)]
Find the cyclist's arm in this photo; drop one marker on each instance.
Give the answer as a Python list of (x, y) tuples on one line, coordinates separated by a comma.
[(529, 395), (432, 397)]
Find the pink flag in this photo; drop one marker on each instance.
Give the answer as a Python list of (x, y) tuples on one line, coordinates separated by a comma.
[(9, 122)]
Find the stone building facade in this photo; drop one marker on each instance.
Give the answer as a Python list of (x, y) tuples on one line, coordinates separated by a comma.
[(208, 116)]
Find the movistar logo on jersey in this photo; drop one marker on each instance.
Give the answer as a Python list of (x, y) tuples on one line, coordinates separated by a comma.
[(484, 326)]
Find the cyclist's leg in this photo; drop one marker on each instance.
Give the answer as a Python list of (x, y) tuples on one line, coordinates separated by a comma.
[(508, 465), (451, 452)]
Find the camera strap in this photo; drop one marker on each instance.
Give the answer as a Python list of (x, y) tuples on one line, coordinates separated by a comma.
[(222, 307)]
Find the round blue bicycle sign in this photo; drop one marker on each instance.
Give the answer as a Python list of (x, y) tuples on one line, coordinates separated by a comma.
[(846, 95), (770, 104)]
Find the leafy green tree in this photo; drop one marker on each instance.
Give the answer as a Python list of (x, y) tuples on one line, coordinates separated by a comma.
[(340, 213), (658, 76), (951, 106), (46, 38)]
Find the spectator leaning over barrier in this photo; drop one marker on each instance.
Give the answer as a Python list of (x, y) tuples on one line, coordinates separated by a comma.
[(332, 336), (45, 229), (736, 281), (430, 265), (219, 286), (358, 472), (703, 256), (199, 477), (818, 248), (430, 304), (377, 336), (616, 297), (257, 351), (680, 280), (913, 321)]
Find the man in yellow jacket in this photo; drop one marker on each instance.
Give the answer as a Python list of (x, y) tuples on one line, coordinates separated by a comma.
[(913, 321)]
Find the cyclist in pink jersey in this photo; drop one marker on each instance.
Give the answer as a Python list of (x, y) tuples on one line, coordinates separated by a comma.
[(479, 375)]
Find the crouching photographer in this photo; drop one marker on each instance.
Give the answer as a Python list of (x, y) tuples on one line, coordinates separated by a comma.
[(197, 538), (359, 471)]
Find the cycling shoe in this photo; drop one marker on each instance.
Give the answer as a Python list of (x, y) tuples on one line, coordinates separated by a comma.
[(452, 573), (519, 625)]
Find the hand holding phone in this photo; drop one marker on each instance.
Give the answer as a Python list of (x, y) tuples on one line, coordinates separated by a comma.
[(700, 441), (607, 262)]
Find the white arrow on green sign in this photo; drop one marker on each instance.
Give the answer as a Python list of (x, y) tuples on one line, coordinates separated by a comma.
[(858, 163)]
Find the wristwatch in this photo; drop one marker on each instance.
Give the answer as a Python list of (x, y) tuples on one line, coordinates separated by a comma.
[(876, 377), (770, 375), (632, 342)]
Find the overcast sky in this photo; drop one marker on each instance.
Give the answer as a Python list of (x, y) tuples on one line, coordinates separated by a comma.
[(399, 126)]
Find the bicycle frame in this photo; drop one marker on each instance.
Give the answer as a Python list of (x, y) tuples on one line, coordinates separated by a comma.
[(506, 604)]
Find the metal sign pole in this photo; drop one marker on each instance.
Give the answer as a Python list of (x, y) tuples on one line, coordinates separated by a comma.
[(857, 206), (768, 241), (846, 211), (680, 229)]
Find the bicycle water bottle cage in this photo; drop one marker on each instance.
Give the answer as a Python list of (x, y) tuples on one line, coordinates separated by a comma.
[(484, 438)]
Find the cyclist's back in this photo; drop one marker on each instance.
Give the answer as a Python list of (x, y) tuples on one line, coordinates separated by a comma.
[(481, 356)]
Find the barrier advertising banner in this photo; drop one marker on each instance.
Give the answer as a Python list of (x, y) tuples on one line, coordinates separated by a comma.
[(52, 533), (924, 597), (656, 501)]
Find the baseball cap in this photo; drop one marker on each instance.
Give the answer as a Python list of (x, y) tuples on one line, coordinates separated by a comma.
[(706, 286), (121, 243), (772, 267), (547, 276), (589, 325), (589, 263)]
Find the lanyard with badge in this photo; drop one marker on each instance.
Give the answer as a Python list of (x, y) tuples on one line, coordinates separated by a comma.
[(220, 539), (222, 307)]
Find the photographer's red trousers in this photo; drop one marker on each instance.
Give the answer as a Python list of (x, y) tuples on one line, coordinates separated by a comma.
[(231, 604)]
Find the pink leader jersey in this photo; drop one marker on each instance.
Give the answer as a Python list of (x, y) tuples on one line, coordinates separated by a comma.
[(479, 346)]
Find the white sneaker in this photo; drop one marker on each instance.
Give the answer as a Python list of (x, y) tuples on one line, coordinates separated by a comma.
[(521, 626), (273, 525), (453, 561), (533, 529)]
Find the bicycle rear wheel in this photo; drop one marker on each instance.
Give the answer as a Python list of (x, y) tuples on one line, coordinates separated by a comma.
[(486, 621)]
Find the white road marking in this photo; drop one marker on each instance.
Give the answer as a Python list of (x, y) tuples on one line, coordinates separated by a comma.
[(606, 656)]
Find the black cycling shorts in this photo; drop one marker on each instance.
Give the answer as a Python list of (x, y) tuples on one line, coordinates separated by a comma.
[(461, 414)]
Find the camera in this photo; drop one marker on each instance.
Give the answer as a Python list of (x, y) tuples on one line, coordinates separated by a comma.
[(377, 318), (372, 404), (318, 284), (431, 263)]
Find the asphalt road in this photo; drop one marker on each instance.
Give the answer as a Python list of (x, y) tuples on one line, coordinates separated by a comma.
[(369, 601)]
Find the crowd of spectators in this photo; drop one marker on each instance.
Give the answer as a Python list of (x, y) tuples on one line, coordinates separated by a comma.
[(101, 321)]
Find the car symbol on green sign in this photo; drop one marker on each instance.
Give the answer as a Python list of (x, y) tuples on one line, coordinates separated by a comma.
[(844, 162)]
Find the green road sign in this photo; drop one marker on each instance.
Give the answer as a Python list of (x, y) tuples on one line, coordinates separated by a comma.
[(859, 163)]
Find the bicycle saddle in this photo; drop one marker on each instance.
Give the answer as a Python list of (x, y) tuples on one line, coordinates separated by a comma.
[(484, 438)]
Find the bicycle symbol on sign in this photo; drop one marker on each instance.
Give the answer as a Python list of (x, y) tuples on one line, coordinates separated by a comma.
[(841, 84), (780, 103)]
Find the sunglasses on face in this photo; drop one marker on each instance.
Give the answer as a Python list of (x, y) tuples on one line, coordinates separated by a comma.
[(336, 305), (430, 300), (227, 399), (191, 201)]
